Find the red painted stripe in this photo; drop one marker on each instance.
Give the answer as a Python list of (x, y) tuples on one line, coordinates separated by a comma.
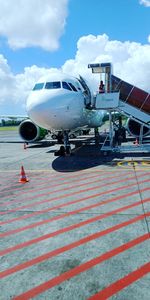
[(56, 178), (48, 176), (73, 245), (33, 176), (60, 190), (43, 179), (65, 196), (26, 216), (81, 268), (69, 228), (48, 185), (74, 202), (52, 186), (113, 199), (122, 283)]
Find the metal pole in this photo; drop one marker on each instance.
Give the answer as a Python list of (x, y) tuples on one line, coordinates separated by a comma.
[(141, 134), (110, 129)]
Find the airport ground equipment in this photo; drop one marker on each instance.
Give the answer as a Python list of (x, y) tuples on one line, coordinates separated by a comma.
[(122, 98)]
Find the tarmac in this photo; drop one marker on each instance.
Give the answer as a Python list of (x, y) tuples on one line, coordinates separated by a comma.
[(79, 228)]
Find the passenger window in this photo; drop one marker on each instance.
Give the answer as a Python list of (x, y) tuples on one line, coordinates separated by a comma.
[(53, 85), (66, 86), (73, 87), (38, 86)]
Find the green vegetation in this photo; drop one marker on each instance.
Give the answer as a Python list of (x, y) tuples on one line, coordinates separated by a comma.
[(8, 128), (12, 123), (6, 125)]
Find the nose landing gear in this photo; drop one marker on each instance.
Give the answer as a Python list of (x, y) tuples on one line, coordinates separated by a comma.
[(64, 149)]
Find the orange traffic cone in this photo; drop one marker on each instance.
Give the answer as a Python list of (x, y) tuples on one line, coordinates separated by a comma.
[(23, 178)]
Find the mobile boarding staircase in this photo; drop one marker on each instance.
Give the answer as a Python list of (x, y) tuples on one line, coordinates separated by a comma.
[(126, 99)]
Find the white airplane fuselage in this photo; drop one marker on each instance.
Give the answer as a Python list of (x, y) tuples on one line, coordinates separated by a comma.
[(58, 102)]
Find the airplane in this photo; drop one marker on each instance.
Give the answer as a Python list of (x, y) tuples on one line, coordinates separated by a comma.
[(62, 103)]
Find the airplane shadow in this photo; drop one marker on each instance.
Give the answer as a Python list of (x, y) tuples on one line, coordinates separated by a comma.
[(83, 158), (90, 156)]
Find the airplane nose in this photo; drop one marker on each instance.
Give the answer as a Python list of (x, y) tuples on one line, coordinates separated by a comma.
[(40, 107), (40, 100), (46, 110)]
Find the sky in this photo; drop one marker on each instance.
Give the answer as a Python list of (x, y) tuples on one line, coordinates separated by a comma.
[(40, 36)]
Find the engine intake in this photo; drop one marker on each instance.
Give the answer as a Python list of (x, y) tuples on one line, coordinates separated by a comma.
[(30, 132), (134, 128)]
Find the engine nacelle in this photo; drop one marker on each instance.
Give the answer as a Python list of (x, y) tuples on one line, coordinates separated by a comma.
[(134, 128), (30, 132)]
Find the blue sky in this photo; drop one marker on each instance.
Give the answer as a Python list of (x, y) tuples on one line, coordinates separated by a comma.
[(121, 20), (71, 31)]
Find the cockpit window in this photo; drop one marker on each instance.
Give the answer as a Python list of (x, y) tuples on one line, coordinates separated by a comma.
[(73, 87), (38, 86), (81, 83), (66, 86), (53, 85)]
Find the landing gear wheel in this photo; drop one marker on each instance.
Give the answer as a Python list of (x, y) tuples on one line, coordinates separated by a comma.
[(60, 152), (54, 136), (68, 150), (72, 136)]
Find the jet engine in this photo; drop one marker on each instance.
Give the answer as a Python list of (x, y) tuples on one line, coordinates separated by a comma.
[(30, 132), (134, 127)]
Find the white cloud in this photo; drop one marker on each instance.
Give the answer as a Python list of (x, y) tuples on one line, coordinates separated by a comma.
[(15, 88), (32, 23), (6, 77), (131, 62), (145, 3)]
